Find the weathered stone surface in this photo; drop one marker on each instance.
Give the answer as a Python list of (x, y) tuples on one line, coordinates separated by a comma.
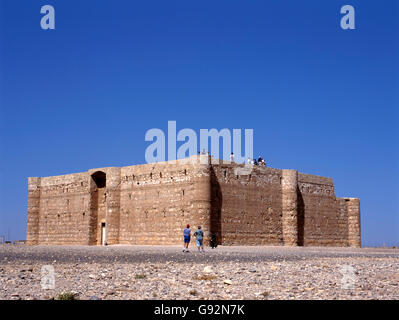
[(152, 203), (281, 272)]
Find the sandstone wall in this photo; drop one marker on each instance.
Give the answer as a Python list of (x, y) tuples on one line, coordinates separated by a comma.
[(248, 206), (32, 230), (289, 190), (61, 213), (152, 203), (323, 218), (158, 200), (352, 207)]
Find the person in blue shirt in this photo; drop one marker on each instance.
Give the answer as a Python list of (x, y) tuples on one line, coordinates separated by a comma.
[(199, 239), (187, 235)]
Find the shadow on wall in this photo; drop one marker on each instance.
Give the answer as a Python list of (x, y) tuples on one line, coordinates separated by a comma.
[(100, 181), (93, 217), (216, 207), (300, 217)]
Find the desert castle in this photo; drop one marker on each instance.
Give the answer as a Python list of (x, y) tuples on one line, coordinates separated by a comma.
[(152, 203)]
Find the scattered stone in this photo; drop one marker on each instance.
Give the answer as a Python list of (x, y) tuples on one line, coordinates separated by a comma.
[(208, 269), (226, 273)]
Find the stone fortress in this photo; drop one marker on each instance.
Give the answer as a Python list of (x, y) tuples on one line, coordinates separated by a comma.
[(152, 203)]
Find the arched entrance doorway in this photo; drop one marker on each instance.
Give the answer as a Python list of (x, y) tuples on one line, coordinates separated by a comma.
[(100, 179), (98, 234), (103, 234)]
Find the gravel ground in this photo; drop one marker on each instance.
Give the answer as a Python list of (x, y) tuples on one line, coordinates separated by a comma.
[(165, 272)]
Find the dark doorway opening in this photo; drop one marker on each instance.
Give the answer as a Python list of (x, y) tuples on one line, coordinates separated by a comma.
[(100, 179), (97, 232), (301, 218), (216, 209), (103, 234)]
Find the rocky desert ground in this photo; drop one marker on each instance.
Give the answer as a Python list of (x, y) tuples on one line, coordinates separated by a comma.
[(165, 272)]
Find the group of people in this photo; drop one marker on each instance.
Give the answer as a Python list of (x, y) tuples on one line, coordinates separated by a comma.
[(199, 239), (257, 162)]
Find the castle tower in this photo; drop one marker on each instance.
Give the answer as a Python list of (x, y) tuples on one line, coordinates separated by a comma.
[(113, 204), (202, 201), (32, 235), (353, 209), (104, 186), (289, 185)]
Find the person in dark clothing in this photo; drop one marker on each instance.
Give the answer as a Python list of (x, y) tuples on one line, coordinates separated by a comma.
[(213, 241)]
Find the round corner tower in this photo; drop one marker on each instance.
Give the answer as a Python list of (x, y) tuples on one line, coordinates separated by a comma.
[(353, 209), (32, 232), (289, 185)]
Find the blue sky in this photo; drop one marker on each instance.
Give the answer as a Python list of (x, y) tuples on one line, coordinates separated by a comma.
[(320, 99)]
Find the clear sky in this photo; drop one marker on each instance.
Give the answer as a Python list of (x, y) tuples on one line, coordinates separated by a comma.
[(320, 99)]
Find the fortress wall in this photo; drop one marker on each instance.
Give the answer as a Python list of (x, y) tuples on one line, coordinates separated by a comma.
[(98, 207), (352, 206), (289, 186), (63, 210), (32, 230), (113, 204), (158, 200), (248, 206), (152, 203), (322, 218)]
